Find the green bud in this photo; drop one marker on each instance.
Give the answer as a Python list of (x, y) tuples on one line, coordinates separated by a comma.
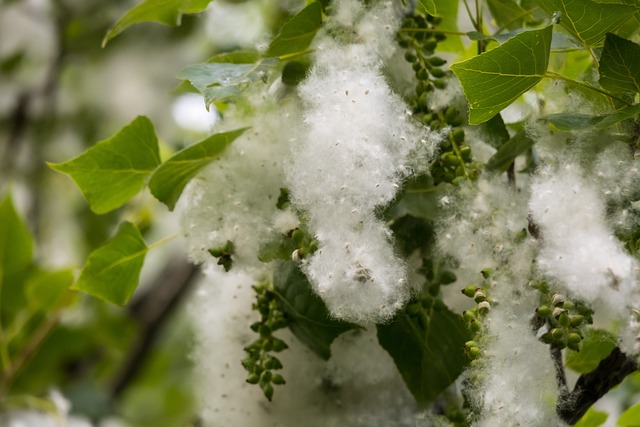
[(297, 236), (264, 330), (427, 118), (414, 309), (278, 379), (465, 151), (430, 45), (255, 327), (474, 353), (475, 326), (557, 334), (470, 344), (450, 114), (278, 345), (568, 305), (543, 311), (272, 363), (458, 137), (216, 252), (441, 84), (313, 246), (576, 320), (422, 74), (574, 338), (469, 315), (546, 338), (436, 61), (470, 291), (564, 320), (248, 363), (573, 346), (229, 248), (447, 277), (253, 378), (267, 389), (437, 72), (450, 159), (265, 377), (410, 57)]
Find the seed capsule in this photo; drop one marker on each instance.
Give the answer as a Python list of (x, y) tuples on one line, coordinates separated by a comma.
[(470, 291)]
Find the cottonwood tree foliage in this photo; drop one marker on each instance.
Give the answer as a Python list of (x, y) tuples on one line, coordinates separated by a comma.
[(465, 199)]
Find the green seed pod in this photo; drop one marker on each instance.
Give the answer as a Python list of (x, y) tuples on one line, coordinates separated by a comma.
[(450, 114), (255, 327), (564, 320), (543, 311), (469, 315), (557, 334), (474, 353), (435, 124), (447, 277), (437, 72), (546, 338), (248, 363), (267, 389), (267, 345), (216, 252), (410, 57), (427, 303), (279, 345), (416, 66), (458, 135), (470, 344), (465, 151), (272, 363), (253, 378), (430, 45), (414, 309), (470, 291), (422, 74), (573, 346), (264, 330), (297, 236), (568, 305), (440, 84), (450, 159), (576, 320), (403, 43), (313, 246), (439, 36), (265, 377), (278, 379), (439, 305), (475, 326), (436, 61), (573, 338), (557, 300)]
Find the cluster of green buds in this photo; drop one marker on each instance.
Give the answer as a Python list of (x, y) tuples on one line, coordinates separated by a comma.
[(563, 317), (419, 38), (260, 361), (429, 299), (473, 317), (224, 253)]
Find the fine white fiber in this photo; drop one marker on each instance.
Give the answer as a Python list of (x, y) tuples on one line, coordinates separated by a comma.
[(578, 250), (350, 160)]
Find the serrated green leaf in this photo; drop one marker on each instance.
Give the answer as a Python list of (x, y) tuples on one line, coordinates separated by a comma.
[(168, 181), (166, 12), (508, 152), (630, 417), (112, 271), (587, 20), (45, 289), (218, 81), (16, 243), (116, 169), (309, 318), (593, 418), (596, 345), (429, 356), (296, 35), (620, 65), (496, 78), (427, 6)]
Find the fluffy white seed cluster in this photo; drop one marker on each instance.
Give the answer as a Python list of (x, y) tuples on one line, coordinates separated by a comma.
[(578, 249), (350, 161)]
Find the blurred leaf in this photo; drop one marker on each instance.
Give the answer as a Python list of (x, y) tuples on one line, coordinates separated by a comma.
[(630, 417), (508, 13), (496, 78), (427, 6), (218, 81), (294, 72), (16, 244), (168, 181), (296, 35), (568, 122), (635, 3), (116, 169), (620, 65), (448, 11), (11, 62), (309, 319), (45, 289), (419, 198), (167, 12), (593, 418), (596, 345), (587, 20), (281, 247), (508, 152), (235, 57), (495, 131), (411, 233), (112, 271), (430, 356)]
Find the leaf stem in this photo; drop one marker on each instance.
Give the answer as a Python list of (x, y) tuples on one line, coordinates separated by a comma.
[(473, 21), (552, 75), (289, 56), (164, 240)]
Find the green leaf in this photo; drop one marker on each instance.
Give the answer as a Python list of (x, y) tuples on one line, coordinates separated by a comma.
[(309, 318), (167, 12), (508, 152), (587, 20), (427, 6), (508, 13), (235, 57), (596, 345), (116, 169), (495, 132), (635, 3), (112, 271), (593, 418), (448, 11), (16, 244), (568, 122), (168, 181), (620, 65), (297, 34), (630, 417), (496, 78), (429, 354), (218, 80), (45, 289)]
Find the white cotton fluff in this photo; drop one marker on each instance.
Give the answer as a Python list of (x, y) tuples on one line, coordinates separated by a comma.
[(349, 161), (235, 197), (518, 386), (358, 387), (578, 249)]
